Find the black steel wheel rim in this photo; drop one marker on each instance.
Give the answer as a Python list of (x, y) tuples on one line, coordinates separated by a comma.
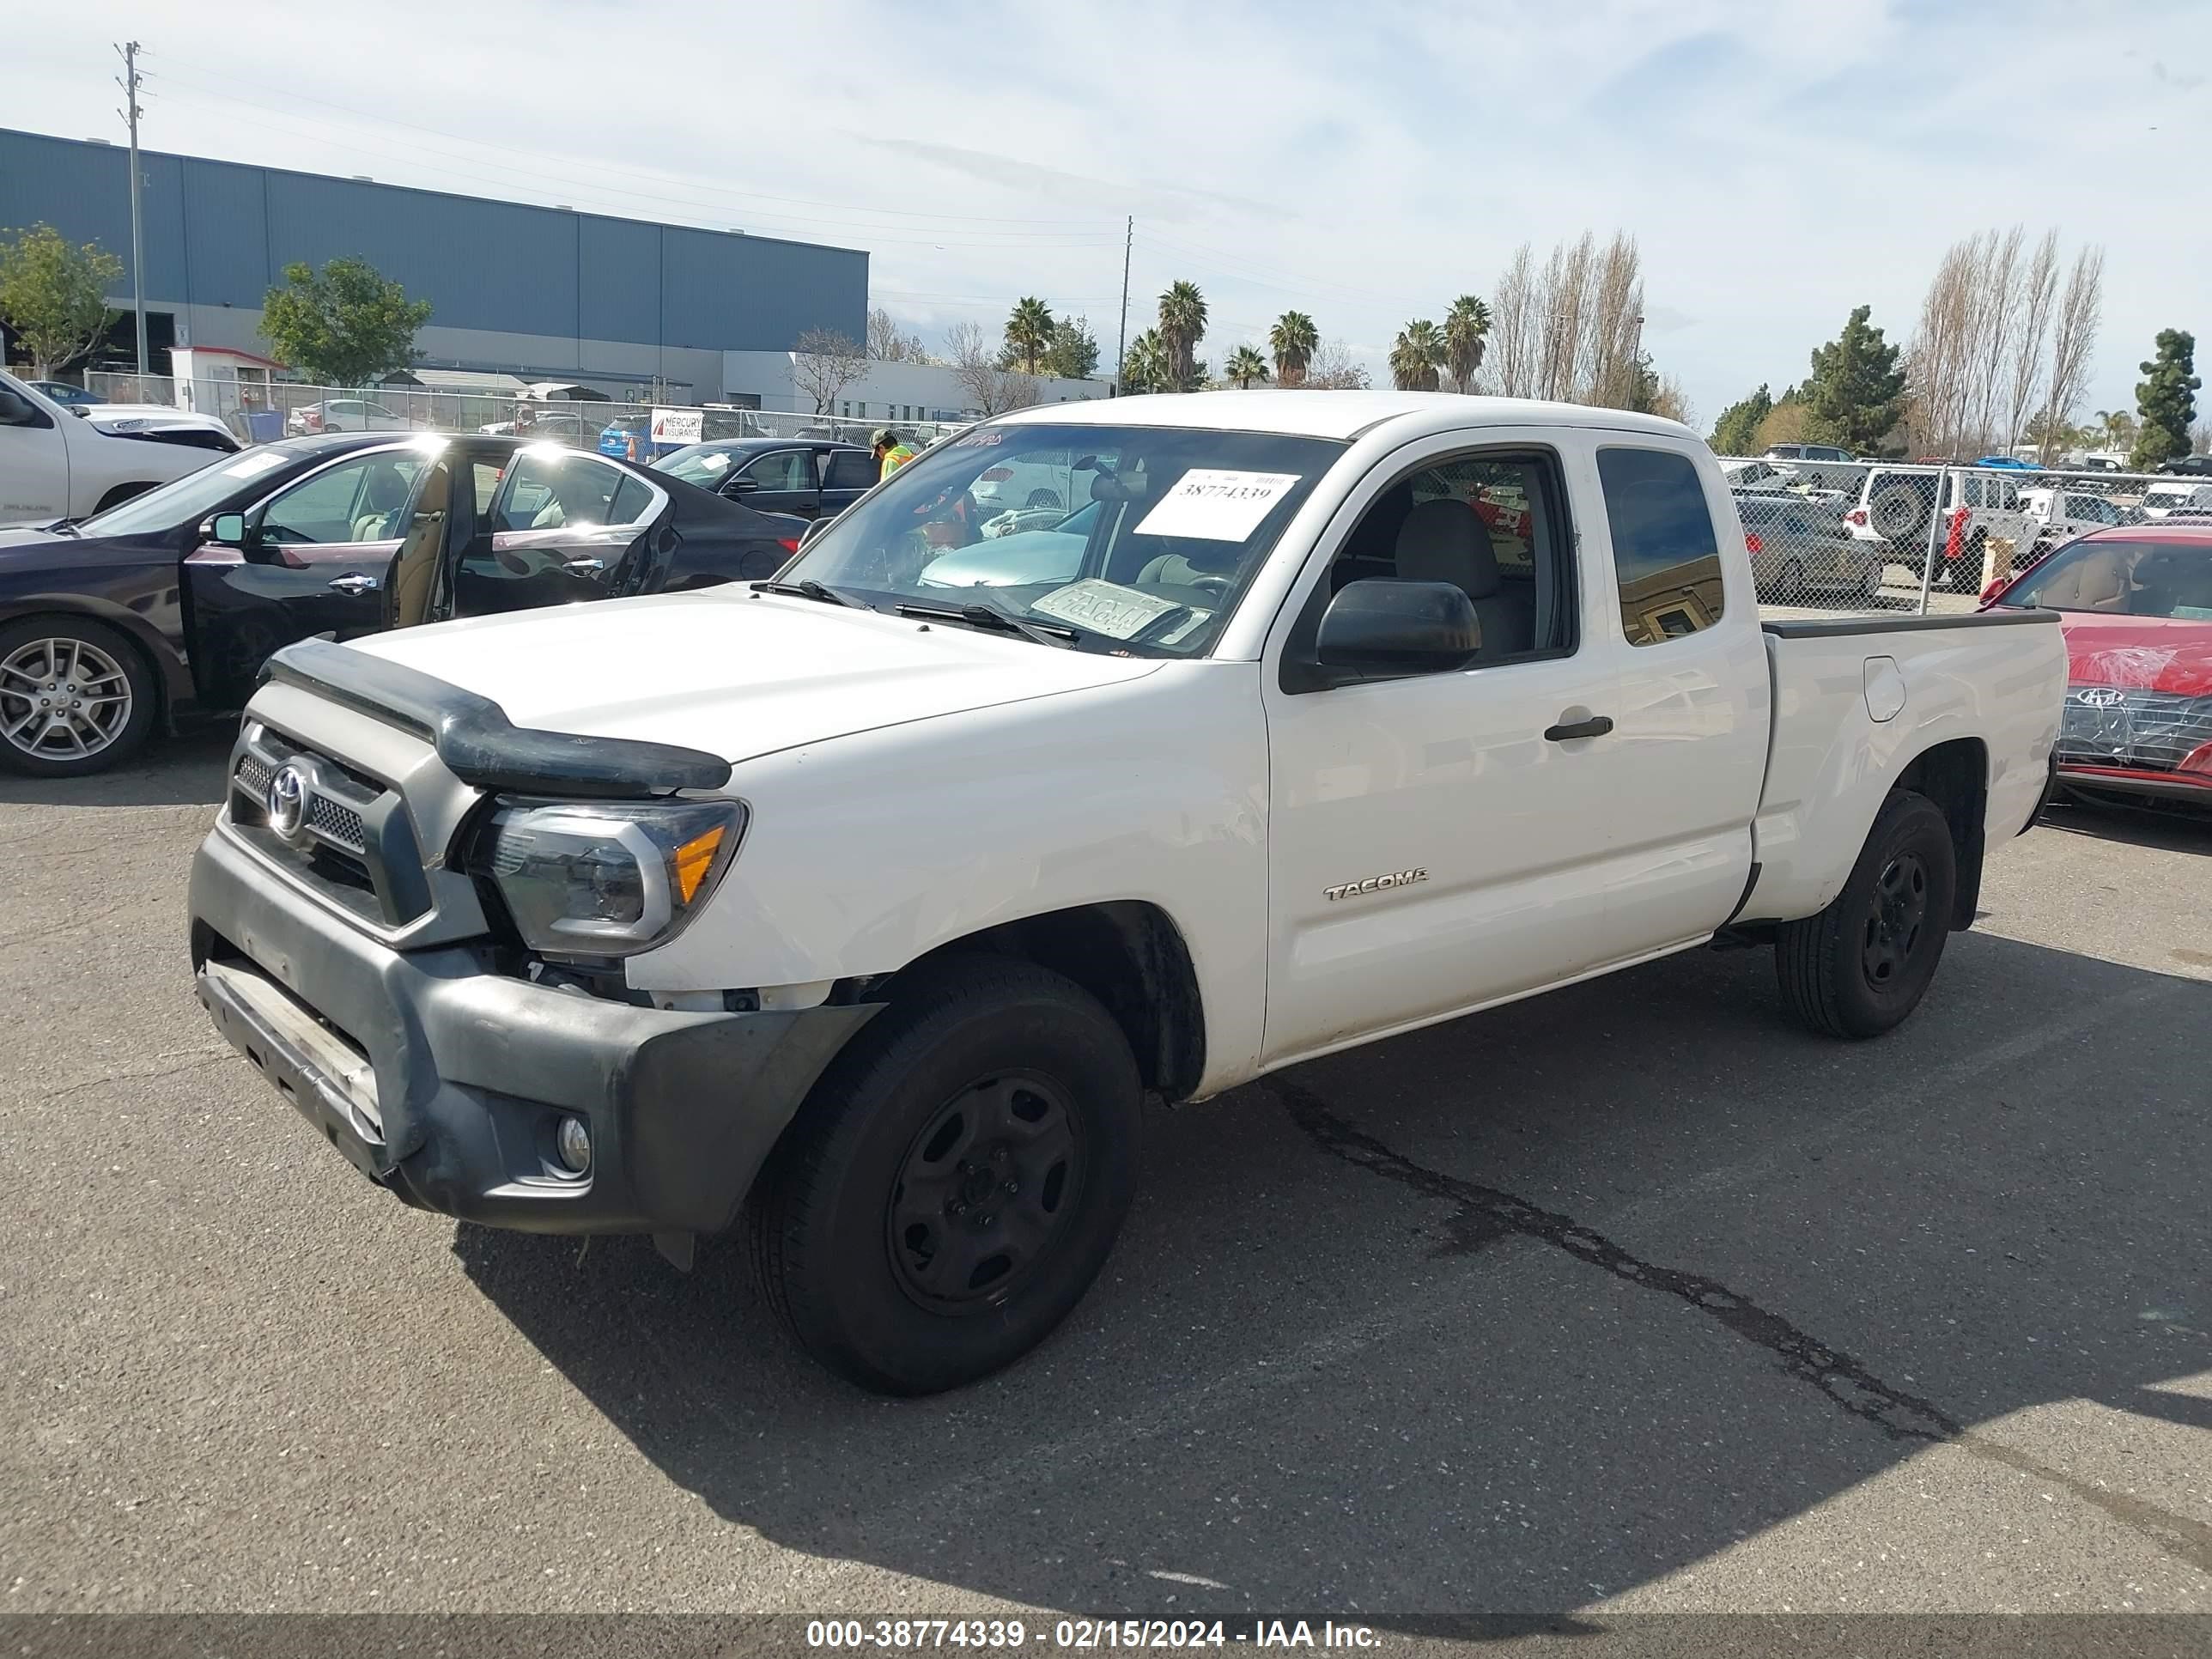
[(1896, 921), (985, 1193)]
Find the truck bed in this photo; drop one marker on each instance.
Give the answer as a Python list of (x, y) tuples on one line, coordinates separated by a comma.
[(1857, 700)]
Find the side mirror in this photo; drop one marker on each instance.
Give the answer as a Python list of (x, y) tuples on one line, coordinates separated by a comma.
[(1997, 585), (227, 530), (741, 486), (1398, 628)]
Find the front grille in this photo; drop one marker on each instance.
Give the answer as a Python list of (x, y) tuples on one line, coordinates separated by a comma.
[(339, 842), (2115, 725)]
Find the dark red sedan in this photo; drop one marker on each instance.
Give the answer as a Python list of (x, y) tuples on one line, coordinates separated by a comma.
[(2136, 608)]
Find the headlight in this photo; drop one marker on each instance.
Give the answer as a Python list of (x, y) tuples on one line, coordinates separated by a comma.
[(607, 878)]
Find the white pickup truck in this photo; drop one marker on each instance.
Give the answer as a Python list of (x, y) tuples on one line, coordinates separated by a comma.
[(864, 905), (57, 464)]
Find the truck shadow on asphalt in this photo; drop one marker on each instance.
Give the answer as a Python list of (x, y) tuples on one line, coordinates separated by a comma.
[(1519, 1312), (2168, 829)]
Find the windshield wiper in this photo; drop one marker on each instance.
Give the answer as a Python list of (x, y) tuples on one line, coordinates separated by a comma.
[(989, 615), (809, 589)]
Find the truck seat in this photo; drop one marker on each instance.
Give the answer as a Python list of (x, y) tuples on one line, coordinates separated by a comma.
[(1442, 541)]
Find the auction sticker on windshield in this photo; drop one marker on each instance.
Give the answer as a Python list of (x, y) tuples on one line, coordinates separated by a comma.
[(1217, 506), (1103, 607)]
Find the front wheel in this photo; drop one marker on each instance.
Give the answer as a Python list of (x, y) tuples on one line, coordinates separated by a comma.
[(75, 697), (1860, 966), (955, 1181)]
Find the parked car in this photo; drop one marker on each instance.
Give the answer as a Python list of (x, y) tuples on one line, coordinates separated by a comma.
[(2059, 513), (1979, 504), (56, 465), (868, 913), (168, 604), (1825, 466), (1762, 476), (813, 478), (62, 392), (2196, 466), (578, 428), (1798, 552), (2159, 500), (628, 437), (343, 415), (2135, 605)]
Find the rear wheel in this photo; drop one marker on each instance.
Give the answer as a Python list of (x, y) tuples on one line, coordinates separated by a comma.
[(75, 697), (1860, 966), (955, 1181)]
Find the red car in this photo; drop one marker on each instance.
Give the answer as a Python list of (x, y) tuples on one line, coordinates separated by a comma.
[(2135, 604)]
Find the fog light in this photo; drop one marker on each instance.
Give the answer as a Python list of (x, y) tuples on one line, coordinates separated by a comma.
[(574, 1143)]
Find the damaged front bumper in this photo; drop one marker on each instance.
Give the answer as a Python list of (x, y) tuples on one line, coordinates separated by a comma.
[(447, 1082)]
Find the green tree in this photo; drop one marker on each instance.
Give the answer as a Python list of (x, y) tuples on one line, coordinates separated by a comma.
[(2115, 429), (1074, 353), (1244, 366), (54, 295), (1737, 430), (1029, 333), (1294, 340), (2167, 400), (1417, 355), (1144, 368), (1183, 326), (1856, 391), (342, 325), (1467, 328)]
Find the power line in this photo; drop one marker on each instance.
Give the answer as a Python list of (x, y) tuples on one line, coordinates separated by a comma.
[(382, 120)]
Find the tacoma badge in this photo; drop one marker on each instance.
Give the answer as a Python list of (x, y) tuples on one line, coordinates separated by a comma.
[(1375, 884)]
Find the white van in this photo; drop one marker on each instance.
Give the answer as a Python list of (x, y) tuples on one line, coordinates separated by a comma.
[(54, 464), (2163, 499)]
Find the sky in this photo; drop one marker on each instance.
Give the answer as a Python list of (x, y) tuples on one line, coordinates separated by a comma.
[(1778, 163)]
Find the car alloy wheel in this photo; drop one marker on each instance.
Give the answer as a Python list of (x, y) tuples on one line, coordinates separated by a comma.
[(63, 699)]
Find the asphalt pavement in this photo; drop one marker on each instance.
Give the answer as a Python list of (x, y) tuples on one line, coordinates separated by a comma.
[(1635, 1297)]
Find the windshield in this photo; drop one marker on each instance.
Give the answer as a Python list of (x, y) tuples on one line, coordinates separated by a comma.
[(1003, 517), (2123, 579), (186, 500)]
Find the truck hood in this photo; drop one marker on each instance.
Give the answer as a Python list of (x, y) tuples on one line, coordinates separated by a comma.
[(2150, 653), (737, 675)]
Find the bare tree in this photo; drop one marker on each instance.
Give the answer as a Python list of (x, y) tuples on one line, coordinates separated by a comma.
[(2038, 290), (1559, 294), (1613, 324), (2200, 438), (1515, 328), (1997, 301), (824, 363), (889, 344), (1333, 368), (975, 359), (1668, 399), (2079, 314)]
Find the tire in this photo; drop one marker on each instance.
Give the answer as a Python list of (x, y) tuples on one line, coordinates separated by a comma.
[(39, 655), (1860, 966), (880, 1281), (1899, 511)]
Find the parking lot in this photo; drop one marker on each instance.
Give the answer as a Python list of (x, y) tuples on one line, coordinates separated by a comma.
[(1634, 1297)]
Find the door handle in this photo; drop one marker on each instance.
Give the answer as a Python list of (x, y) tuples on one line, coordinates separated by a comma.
[(1595, 726), (354, 582), (585, 567)]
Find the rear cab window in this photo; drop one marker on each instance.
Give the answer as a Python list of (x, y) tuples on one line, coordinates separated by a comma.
[(1666, 557)]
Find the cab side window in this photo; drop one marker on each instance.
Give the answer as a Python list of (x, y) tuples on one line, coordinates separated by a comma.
[(1666, 559), (1489, 523), (785, 469)]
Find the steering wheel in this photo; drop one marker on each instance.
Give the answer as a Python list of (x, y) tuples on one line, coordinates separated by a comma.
[(1217, 585)]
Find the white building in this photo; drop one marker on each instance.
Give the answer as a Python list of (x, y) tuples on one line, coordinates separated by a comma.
[(888, 391)]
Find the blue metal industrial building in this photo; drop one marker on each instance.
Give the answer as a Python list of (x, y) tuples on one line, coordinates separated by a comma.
[(538, 292)]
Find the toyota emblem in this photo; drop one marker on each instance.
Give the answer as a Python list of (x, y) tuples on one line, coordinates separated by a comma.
[(287, 802)]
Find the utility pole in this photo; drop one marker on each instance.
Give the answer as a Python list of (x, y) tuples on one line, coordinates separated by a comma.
[(131, 114), (1121, 345)]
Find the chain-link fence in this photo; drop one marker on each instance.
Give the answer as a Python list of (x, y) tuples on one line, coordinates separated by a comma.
[(1864, 535), (257, 411)]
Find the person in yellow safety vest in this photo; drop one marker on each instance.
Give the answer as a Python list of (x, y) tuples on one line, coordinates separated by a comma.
[(890, 453)]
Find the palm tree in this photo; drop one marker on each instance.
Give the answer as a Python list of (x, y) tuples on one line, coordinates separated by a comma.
[(1294, 340), (1030, 331), (1145, 366), (1183, 326), (1415, 360), (1465, 325), (1244, 366), (2116, 427)]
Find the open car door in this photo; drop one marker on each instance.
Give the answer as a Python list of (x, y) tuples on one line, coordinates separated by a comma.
[(564, 526)]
